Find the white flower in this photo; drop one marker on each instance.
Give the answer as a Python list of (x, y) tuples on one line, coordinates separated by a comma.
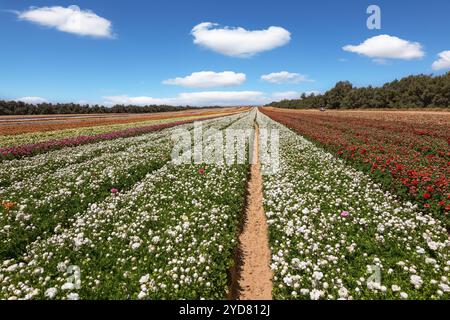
[(403, 295), (343, 292), (144, 279), (304, 291), (416, 281), (317, 275), (287, 281), (135, 245), (12, 268), (142, 295), (433, 245), (444, 287), (68, 286), (395, 288), (315, 294), (51, 292), (73, 296), (155, 240)]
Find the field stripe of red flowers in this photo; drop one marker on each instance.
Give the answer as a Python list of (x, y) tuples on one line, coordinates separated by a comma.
[(406, 152)]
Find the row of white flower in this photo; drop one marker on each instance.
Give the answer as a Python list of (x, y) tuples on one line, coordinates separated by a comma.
[(335, 234), (172, 235)]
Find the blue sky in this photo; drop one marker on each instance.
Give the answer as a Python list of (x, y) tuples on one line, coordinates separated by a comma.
[(134, 46)]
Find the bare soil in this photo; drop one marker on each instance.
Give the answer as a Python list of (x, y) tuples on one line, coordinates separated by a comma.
[(254, 279)]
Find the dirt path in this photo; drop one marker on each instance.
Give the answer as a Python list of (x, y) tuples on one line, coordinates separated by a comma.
[(255, 277)]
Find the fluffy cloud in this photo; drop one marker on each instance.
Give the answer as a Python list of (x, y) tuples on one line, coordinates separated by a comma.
[(284, 77), (288, 95), (205, 98), (32, 100), (443, 62), (208, 98), (239, 42), (388, 47), (209, 79), (71, 19)]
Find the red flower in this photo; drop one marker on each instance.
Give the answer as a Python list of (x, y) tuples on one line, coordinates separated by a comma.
[(427, 195), (426, 205), (442, 203), (447, 208), (202, 171)]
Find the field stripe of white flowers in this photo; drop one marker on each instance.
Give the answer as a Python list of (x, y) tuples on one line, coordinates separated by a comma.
[(119, 220)]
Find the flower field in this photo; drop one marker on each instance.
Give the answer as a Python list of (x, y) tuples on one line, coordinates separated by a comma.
[(21, 125), (407, 152), (141, 228), (40, 136), (332, 228), (108, 214)]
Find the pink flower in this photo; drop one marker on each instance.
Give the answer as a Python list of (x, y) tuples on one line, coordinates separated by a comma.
[(201, 171), (345, 214), (114, 190)]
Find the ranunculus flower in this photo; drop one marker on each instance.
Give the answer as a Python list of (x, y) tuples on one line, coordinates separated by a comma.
[(345, 214), (8, 205), (114, 190), (427, 195), (202, 171)]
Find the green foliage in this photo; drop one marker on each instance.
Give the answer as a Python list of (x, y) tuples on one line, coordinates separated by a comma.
[(22, 108), (421, 91)]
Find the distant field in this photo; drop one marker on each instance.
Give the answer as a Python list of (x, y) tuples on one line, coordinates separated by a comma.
[(12, 125), (25, 130)]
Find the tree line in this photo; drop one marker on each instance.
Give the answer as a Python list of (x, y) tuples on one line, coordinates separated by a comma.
[(419, 91), (22, 108)]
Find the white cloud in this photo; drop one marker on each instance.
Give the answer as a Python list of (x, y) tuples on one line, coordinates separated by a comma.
[(382, 62), (443, 62), (204, 98), (289, 95), (284, 77), (32, 100), (71, 19), (208, 98), (388, 47), (209, 79), (239, 42)]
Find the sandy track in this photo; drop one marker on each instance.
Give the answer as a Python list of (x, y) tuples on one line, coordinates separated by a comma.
[(254, 275)]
